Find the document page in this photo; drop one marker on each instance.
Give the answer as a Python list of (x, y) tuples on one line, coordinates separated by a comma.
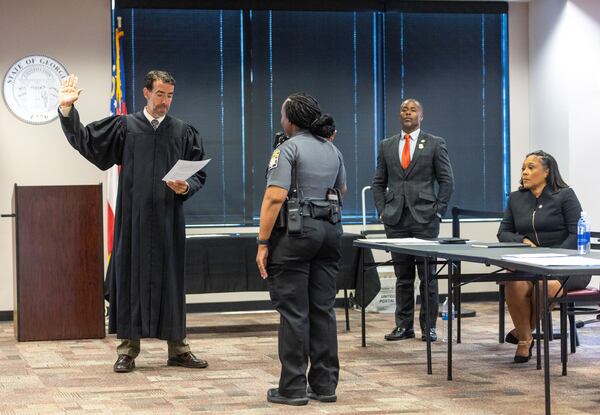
[(404, 241), (555, 260), (528, 256), (184, 169)]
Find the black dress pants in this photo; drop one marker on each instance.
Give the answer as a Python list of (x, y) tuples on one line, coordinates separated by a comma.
[(404, 268), (302, 272)]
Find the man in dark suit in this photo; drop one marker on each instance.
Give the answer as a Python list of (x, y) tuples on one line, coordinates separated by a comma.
[(410, 166)]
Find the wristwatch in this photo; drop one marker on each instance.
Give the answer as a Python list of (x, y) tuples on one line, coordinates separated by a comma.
[(262, 241)]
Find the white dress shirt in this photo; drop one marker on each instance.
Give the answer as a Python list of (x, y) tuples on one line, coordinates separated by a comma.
[(413, 142), (150, 117)]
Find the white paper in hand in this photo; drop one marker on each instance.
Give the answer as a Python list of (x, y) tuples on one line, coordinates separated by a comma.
[(184, 169)]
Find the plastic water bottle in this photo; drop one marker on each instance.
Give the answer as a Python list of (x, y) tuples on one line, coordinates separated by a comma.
[(445, 316), (583, 234)]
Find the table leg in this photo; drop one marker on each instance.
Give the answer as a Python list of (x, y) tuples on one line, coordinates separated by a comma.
[(346, 309), (538, 329), (547, 334), (458, 305), (501, 312), (425, 301), (563, 337), (361, 273), (450, 305)]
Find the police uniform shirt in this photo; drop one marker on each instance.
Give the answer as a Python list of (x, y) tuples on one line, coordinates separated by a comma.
[(319, 166)]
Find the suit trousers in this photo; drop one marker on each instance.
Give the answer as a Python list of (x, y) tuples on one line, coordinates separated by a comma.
[(132, 347), (302, 284), (404, 268)]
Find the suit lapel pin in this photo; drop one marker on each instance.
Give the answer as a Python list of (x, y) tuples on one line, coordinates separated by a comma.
[(421, 147), (423, 141)]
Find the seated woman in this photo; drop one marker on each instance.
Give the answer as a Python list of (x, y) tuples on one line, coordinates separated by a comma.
[(543, 212)]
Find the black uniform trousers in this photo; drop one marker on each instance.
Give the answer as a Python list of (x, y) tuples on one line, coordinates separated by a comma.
[(302, 272), (404, 268)]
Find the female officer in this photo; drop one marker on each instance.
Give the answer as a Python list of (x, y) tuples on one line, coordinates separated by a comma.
[(301, 262)]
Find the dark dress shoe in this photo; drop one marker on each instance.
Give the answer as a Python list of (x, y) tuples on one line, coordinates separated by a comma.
[(400, 333), (524, 359), (188, 360), (432, 334), (321, 398), (274, 396), (124, 364)]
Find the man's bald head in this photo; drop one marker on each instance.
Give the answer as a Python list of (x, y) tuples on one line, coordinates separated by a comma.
[(411, 115), (412, 101)]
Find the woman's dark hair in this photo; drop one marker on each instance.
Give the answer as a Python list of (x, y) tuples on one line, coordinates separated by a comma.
[(554, 179), (303, 111)]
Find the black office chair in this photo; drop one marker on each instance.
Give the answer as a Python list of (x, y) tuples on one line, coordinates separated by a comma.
[(580, 302)]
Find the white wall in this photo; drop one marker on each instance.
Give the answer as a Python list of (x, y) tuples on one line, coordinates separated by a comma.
[(518, 75), (548, 62), (565, 91), (74, 32), (583, 79)]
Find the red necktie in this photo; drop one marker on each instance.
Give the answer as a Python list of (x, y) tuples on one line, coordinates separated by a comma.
[(406, 152)]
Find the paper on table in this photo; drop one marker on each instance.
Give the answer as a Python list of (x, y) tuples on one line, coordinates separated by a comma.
[(207, 235), (184, 169), (540, 255), (404, 241), (575, 260), (499, 245)]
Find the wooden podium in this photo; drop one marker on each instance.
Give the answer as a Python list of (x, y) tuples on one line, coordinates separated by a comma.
[(58, 246)]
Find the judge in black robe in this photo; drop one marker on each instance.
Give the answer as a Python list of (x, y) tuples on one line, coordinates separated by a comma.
[(146, 270)]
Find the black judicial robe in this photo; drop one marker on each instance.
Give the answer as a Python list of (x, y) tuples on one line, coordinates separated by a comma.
[(145, 273)]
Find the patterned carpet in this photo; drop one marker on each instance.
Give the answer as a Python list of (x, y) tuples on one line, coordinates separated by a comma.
[(76, 377)]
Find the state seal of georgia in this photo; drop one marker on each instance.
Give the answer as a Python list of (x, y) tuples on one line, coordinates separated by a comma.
[(31, 88)]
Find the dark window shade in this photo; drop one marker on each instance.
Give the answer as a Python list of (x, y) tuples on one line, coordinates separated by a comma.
[(452, 63), (330, 56), (235, 68), (202, 49)]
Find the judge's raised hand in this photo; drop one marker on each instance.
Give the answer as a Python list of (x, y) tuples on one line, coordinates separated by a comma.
[(178, 186), (68, 91)]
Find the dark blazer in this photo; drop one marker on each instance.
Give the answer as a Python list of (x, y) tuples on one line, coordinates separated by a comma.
[(395, 188), (549, 221)]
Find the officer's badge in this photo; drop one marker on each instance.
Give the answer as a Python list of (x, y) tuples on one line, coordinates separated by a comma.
[(274, 159)]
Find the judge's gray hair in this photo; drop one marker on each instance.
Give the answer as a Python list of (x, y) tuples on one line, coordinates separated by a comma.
[(156, 75)]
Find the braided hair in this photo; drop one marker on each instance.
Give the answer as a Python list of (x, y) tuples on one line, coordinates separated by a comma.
[(303, 111), (554, 179)]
